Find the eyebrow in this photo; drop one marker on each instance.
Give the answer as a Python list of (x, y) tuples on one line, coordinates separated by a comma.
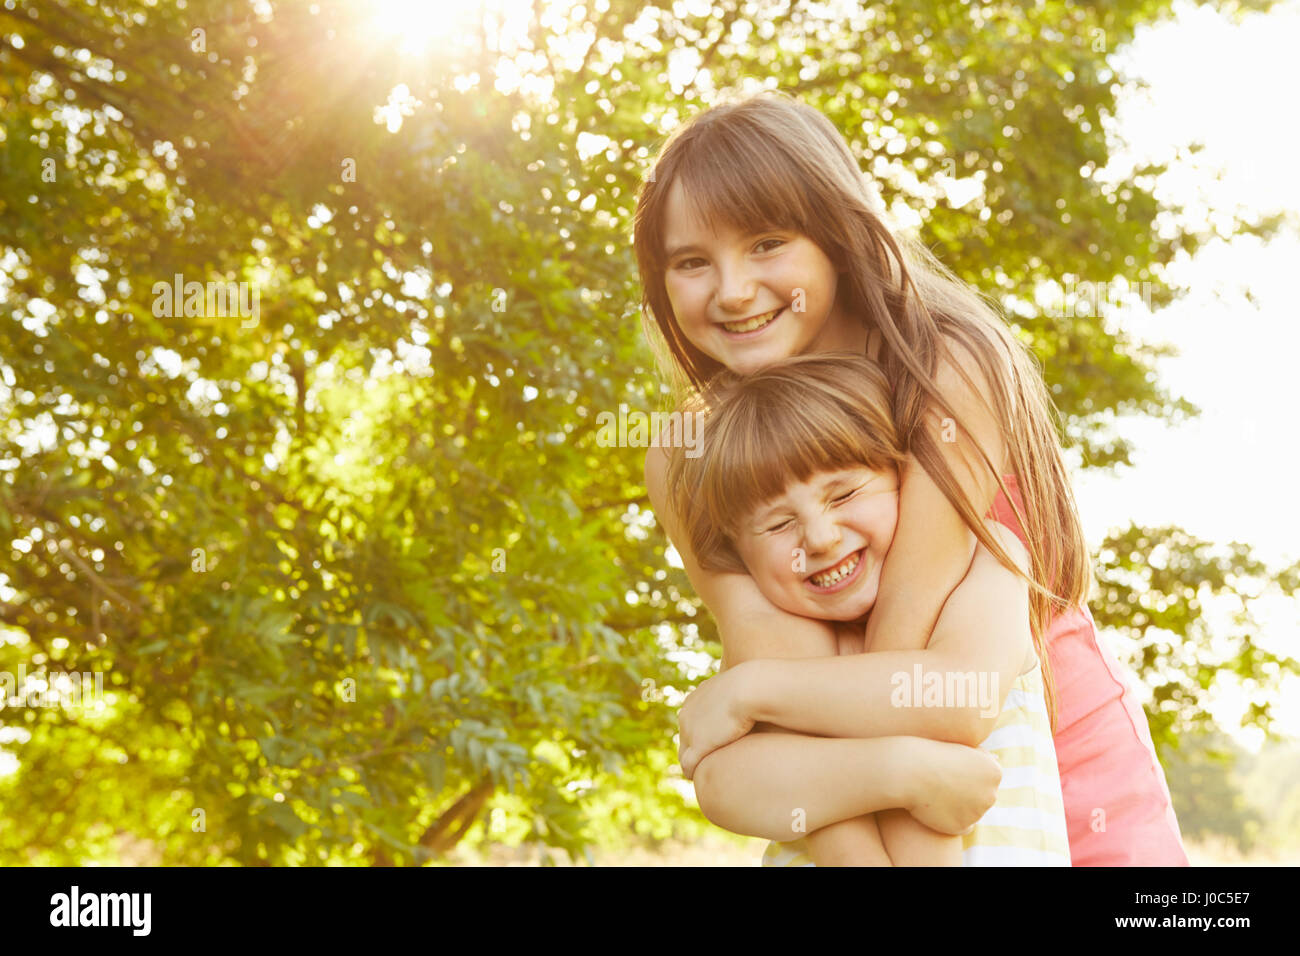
[(682, 250), (676, 251)]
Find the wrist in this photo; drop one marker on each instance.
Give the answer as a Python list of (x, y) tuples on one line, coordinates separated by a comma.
[(753, 690)]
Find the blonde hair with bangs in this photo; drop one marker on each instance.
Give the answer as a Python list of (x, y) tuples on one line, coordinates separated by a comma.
[(760, 433)]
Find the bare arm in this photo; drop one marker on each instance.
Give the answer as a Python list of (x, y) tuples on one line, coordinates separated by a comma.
[(933, 547), (825, 780), (752, 628), (983, 635), (822, 782), (932, 540), (885, 838), (902, 839), (741, 788), (736, 783)]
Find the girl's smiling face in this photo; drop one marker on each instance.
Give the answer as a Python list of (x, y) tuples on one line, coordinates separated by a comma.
[(844, 521), (749, 300)]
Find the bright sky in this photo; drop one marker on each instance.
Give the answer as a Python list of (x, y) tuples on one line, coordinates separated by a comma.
[(1229, 474)]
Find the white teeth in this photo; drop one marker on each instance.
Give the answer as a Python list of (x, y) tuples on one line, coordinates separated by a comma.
[(837, 573), (751, 324)]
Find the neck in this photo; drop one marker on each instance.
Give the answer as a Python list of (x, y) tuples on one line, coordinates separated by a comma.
[(842, 331)]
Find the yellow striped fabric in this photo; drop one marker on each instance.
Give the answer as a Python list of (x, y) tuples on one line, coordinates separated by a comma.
[(1026, 826)]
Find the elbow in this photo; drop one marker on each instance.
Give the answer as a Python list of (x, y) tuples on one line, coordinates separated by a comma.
[(968, 713), (976, 726), (709, 793), (721, 804), (967, 726)]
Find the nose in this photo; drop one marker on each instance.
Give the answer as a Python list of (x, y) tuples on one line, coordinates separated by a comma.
[(736, 289), (821, 534)]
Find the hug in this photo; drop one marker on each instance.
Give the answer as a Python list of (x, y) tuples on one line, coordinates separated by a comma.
[(880, 488)]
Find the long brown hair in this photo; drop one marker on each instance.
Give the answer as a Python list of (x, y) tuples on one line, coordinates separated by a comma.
[(770, 161)]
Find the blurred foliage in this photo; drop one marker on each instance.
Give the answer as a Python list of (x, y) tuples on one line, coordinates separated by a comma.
[(1271, 781), (1208, 798), (362, 584), (1221, 789), (1182, 610)]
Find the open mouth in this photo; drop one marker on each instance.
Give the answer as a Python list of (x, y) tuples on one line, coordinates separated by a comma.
[(756, 324), (840, 576)]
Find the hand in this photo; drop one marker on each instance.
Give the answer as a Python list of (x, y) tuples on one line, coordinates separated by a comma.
[(952, 786), (712, 716)]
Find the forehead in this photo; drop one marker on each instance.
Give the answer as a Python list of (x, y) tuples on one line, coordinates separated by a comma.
[(684, 223)]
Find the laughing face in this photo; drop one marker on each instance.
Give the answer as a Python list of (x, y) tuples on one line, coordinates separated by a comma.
[(750, 299), (844, 522)]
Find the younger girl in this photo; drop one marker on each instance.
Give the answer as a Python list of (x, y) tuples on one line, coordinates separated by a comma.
[(796, 484), (758, 239)]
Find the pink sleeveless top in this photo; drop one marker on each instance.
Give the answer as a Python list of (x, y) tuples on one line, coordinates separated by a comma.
[(1117, 806)]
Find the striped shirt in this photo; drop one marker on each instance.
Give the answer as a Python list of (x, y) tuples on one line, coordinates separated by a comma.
[(1026, 826)]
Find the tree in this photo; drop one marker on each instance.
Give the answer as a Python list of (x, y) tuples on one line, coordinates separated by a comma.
[(342, 541)]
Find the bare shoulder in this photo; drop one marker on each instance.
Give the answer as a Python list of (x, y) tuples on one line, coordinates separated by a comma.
[(961, 375), (957, 354), (963, 381), (657, 460), (688, 418), (683, 427)]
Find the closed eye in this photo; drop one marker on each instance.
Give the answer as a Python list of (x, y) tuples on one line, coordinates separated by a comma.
[(835, 501), (847, 495)]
